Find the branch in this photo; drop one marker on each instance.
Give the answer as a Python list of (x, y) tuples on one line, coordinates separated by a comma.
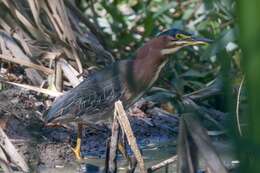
[(27, 63), (126, 127), (162, 164), (11, 151)]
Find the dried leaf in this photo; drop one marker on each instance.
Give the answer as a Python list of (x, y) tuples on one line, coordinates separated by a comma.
[(203, 143), (11, 151)]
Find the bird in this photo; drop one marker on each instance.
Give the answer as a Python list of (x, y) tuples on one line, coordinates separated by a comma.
[(127, 80)]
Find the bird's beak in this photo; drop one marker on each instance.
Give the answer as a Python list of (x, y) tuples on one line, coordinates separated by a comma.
[(175, 45), (198, 41)]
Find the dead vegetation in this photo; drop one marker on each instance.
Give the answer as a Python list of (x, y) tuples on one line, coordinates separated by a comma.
[(50, 39)]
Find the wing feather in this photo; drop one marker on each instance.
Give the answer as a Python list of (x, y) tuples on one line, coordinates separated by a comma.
[(95, 95)]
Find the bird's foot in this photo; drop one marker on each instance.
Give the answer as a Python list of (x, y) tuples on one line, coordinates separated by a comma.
[(121, 148), (76, 150)]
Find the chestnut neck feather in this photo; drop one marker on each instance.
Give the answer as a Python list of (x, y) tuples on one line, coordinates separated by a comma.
[(147, 66)]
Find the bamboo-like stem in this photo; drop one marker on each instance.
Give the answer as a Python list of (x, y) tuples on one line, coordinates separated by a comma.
[(112, 165), (162, 164), (126, 127), (58, 77), (11, 151), (28, 64), (33, 88)]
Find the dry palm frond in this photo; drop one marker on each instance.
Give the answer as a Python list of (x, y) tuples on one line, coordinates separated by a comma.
[(9, 154), (37, 34)]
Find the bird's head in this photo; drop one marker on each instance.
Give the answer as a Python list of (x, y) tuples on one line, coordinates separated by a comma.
[(169, 42), (152, 56), (175, 39)]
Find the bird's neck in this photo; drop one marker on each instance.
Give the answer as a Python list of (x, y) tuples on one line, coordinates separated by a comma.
[(146, 70)]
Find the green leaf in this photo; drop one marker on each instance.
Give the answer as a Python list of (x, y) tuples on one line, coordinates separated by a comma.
[(114, 12), (220, 44), (148, 25), (164, 8)]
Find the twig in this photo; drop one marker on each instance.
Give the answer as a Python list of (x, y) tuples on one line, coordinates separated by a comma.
[(4, 162), (11, 151), (28, 64), (4, 165), (18, 15), (58, 77), (33, 88), (126, 127), (162, 164), (238, 105), (112, 165), (69, 72)]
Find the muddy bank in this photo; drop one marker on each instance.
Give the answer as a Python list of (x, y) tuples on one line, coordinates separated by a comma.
[(22, 115)]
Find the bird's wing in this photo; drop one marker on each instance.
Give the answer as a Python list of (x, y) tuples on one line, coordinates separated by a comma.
[(94, 96)]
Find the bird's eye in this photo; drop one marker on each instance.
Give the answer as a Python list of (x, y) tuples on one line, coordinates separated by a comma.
[(182, 36)]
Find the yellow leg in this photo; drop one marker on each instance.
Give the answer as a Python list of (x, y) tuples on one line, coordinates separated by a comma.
[(121, 148), (76, 150)]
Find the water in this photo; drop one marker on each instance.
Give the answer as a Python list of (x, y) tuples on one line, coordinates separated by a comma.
[(153, 153)]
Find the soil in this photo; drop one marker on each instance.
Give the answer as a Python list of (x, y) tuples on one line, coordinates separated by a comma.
[(22, 117)]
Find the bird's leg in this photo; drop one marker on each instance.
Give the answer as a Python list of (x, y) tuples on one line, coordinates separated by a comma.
[(130, 159), (76, 150), (121, 148)]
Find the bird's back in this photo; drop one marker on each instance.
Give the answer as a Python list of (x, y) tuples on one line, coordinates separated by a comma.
[(92, 99)]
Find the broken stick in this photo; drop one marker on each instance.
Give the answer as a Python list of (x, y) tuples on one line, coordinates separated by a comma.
[(126, 127)]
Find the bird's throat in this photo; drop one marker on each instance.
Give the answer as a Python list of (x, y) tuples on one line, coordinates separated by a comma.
[(146, 72), (157, 73)]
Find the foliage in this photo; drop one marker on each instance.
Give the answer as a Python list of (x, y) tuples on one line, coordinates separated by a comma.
[(39, 36), (249, 39)]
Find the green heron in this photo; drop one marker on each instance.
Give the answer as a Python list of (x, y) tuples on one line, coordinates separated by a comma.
[(127, 80)]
